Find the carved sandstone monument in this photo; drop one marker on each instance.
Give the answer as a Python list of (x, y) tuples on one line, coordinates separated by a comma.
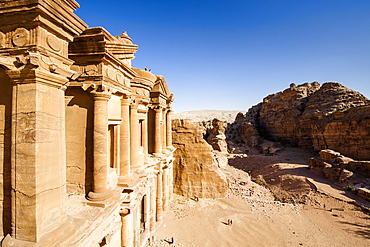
[(77, 120), (330, 116)]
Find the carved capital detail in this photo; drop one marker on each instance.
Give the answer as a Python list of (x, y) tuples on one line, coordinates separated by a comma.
[(124, 211), (36, 60), (20, 37)]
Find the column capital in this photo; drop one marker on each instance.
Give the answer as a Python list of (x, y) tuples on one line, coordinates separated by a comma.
[(125, 100), (158, 108), (37, 76), (103, 96), (133, 105), (124, 211)]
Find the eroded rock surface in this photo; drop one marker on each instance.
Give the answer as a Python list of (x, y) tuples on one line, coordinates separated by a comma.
[(327, 117), (196, 172), (339, 167), (215, 134)]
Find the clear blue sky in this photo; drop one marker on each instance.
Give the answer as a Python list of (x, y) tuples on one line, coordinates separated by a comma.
[(230, 54)]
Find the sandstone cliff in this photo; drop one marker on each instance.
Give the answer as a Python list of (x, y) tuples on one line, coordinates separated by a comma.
[(205, 115), (327, 117), (196, 172)]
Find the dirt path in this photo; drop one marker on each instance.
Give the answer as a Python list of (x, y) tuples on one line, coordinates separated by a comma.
[(258, 220)]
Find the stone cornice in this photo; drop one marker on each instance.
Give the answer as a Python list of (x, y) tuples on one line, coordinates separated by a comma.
[(92, 47), (58, 13), (37, 76), (143, 79)]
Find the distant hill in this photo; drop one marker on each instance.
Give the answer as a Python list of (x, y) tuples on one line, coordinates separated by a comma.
[(205, 115)]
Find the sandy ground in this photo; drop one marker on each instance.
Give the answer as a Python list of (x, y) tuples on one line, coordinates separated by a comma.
[(310, 212)]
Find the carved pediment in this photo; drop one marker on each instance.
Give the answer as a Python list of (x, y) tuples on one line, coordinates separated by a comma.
[(161, 87)]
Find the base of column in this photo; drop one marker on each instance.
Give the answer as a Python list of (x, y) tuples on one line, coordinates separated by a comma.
[(99, 197)]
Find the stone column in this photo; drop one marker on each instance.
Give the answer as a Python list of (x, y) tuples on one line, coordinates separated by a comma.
[(125, 138), (153, 210), (169, 129), (163, 129), (159, 197), (170, 171), (157, 131), (165, 188), (127, 231), (100, 139), (134, 138), (144, 131)]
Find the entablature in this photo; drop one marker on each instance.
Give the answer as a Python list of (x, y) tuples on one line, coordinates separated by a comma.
[(97, 42), (55, 16)]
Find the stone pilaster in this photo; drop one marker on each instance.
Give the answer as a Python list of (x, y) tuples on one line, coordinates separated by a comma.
[(38, 165), (159, 197), (170, 174), (125, 138), (165, 188), (169, 129), (100, 175), (144, 131), (157, 131), (163, 130), (153, 199), (134, 137), (127, 233)]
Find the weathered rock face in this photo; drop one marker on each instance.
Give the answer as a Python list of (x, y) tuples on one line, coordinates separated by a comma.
[(332, 164), (215, 134), (327, 117), (339, 167), (196, 172)]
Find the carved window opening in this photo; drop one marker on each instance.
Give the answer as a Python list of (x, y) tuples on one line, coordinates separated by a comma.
[(112, 145), (141, 132), (143, 215)]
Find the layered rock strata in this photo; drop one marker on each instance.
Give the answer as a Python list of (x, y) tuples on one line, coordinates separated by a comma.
[(196, 172), (215, 134), (327, 117), (339, 167)]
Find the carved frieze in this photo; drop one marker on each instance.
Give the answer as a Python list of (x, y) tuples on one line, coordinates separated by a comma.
[(116, 75), (54, 43), (91, 70), (2, 40)]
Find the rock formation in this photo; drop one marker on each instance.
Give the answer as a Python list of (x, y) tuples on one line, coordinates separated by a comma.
[(336, 166), (332, 164), (205, 115), (196, 172), (215, 134), (327, 117)]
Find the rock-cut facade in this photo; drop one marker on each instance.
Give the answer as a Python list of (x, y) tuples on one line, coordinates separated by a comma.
[(86, 150)]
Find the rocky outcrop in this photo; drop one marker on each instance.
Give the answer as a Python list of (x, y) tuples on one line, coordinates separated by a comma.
[(341, 168), (205, 115), (309, 116), (332, 164), (215, 134), (196, 172)]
